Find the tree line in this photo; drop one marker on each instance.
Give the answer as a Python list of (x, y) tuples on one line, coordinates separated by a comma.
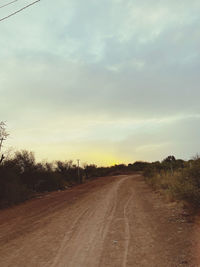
[(21, 177)]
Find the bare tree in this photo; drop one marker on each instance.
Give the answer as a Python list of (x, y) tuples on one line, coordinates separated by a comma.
[(3, 137)]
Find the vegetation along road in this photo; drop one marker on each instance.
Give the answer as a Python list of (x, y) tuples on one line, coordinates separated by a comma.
[(111, 221)]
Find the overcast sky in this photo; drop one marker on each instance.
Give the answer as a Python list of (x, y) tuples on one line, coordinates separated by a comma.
[(105, 81)]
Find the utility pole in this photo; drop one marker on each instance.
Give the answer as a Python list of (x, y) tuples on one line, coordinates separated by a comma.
[(78, 160)]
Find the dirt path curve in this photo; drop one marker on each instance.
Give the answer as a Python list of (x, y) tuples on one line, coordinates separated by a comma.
[(112, 221)]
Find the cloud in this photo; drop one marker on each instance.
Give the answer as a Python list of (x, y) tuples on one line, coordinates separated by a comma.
[(157, 140), (101, 61)]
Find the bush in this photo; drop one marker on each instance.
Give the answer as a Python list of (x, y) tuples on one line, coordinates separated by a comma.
[(21, 177), (12, 190), (182, 182)]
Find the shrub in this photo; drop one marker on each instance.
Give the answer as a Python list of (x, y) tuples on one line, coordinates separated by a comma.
[(182, 184)]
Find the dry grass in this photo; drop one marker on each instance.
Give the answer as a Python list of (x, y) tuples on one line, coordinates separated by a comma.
[(180, 185)]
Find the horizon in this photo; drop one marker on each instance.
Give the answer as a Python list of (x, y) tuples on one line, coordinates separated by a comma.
[(108, 82)]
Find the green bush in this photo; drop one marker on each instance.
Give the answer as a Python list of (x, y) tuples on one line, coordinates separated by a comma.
[(182, 182)]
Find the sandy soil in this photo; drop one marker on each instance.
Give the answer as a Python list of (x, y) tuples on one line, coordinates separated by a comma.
[(111, 221)]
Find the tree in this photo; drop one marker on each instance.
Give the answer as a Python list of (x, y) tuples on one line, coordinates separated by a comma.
[(3, 137), (169, 163)]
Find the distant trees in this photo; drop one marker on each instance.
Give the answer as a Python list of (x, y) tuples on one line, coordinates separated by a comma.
[(138, 166), (21, 177), (69, 171)]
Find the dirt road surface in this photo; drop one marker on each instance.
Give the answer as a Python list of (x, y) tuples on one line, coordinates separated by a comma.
[(111, 221)]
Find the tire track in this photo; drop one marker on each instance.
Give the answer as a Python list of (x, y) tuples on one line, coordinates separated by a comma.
[(67, 238), (127, 232), (89, 231)]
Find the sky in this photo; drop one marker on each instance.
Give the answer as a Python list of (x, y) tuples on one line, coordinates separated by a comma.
[(107, 82)]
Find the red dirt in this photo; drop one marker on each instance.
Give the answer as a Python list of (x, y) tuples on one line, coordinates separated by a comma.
[(110, 221)]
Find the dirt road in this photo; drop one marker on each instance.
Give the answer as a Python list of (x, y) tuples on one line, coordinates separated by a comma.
[(111, 221)]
